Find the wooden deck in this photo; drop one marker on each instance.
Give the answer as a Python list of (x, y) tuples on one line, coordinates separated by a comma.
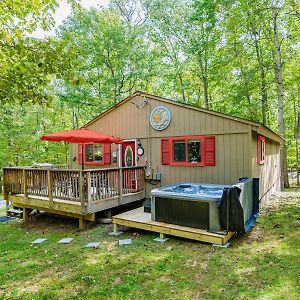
[(73, 193), (137, 218)]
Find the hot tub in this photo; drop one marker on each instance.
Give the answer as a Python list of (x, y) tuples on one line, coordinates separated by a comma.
[(197, 205)]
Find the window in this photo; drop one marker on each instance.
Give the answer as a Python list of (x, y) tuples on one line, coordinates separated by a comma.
[(179, 151), (261, 149), (98, 153), (188, 151), (194, 151), (94, 154)]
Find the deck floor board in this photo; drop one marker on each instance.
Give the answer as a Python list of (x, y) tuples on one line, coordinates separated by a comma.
[(137, 218)]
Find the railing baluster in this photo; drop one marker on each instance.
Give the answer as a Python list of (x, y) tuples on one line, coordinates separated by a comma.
[(88, 189), (50, 188), (81, 196), (25, 185)]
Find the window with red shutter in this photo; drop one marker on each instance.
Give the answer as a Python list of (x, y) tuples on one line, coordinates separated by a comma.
[(188, 151), (261, 149), (106, 154), (80, 153), (93, 154), (209, 150), (165, 152)]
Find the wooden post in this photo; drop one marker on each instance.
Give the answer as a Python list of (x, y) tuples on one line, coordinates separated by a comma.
[(120, 185), (82, 224), (25, 185), (120, 174), (4, 185), (116, 228), (50, 188), (107, 213), (25, 215), (5, 193), (88, 190), (81, 195)]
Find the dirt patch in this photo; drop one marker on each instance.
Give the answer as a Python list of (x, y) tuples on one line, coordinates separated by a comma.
[(280, 199), (43, 223)]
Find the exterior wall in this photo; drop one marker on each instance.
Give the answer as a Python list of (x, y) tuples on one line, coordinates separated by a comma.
[(131, 121), (269, 172)]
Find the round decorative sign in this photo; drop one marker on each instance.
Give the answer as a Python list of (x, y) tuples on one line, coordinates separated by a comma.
[(160, 118)]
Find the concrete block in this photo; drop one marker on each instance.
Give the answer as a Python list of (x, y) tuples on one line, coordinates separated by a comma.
[(161, 240), (125, 242), (65, 241), (93, 245), (116, 233), (221, 246), (39, 241)]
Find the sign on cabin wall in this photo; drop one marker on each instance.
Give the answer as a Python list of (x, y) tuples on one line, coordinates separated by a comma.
[(160, 118)]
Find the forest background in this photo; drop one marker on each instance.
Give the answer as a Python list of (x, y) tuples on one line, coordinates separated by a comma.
[(236, 57)]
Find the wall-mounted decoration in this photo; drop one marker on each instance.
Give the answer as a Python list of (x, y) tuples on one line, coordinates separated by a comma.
[(140, 151), (114, 157), (160, 118), (128, 157)]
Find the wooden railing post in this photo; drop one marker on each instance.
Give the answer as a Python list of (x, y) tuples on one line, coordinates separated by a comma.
[(5, 193), (81, 195), (120, 185), (88, 190), (50, 188), (25, 191)]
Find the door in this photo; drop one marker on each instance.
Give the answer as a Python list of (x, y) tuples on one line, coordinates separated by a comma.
[(129, 160)]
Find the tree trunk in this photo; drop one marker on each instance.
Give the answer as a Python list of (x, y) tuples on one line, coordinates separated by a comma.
[(204, 78), (296, 135), (264, 94), (280, 94), (205, 89), (182, 87)]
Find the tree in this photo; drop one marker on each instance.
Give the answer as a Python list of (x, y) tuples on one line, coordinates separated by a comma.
[(204, 36), (27, 64), (105, 63)]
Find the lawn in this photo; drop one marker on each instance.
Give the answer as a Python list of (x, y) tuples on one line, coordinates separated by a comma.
[(263, 264)]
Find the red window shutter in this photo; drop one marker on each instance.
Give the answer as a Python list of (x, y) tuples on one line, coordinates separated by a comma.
[(209, 146), (106, 154), (261, 153), (165, 152), (80, 153)]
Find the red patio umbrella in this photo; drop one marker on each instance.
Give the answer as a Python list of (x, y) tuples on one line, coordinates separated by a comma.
[(81, 136)]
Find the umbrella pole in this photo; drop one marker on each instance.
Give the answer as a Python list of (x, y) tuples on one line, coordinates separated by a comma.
[(82, 163)]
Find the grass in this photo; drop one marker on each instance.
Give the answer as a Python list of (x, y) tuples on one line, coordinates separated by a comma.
[(263, 264), (292, 189)]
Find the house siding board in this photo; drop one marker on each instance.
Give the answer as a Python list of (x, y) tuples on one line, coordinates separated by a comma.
[(269, 171), (128, 121), (227, 170)]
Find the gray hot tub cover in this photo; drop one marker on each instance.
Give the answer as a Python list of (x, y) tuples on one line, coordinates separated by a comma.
[(231, 211)]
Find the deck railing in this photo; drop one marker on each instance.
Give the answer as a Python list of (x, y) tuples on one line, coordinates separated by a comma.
[(85, 186)]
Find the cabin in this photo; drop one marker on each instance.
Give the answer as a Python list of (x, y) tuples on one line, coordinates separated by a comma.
[(177, 142), (164, 142)]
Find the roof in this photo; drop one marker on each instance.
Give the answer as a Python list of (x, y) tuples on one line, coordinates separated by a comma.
[(256, 126)]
